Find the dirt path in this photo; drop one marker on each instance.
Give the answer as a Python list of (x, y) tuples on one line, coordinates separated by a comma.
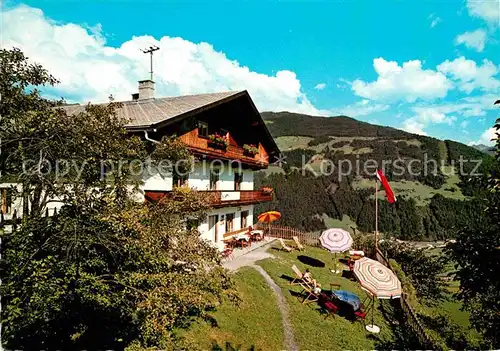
[(290, 344), (249, 260)]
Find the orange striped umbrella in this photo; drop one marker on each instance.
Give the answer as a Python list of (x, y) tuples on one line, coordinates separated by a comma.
[(269, 216)]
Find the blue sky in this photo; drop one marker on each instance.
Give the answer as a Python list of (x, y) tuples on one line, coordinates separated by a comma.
[(430, 67)]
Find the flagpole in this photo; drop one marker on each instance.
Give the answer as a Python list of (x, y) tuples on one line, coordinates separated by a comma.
[(376, 215)]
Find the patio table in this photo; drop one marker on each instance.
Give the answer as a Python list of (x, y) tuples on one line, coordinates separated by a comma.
[(242, 237), (348, 297), (257, 234)]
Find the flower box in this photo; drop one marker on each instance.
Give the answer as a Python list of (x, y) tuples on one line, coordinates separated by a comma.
[(250, 149), (266, 190), (218, 141)]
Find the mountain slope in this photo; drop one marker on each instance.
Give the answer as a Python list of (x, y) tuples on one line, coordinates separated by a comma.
[(287, 123), (316, 189)]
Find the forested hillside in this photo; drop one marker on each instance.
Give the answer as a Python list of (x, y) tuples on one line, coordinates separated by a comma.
[(315, 188)]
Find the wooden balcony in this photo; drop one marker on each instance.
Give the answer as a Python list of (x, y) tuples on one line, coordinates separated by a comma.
[(202, 146), (222, 198)]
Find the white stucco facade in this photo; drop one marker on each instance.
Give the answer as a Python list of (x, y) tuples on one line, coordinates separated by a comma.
[(214, 231), (199, 178)]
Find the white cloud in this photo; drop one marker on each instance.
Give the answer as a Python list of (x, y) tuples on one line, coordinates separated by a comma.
[(428, 115), (464, 124), (486, 138), (90, 70), (488, 10), (472, 40), (412, 126), (320, 86), (435, 114), (360, 108), (435, 20), (408, 82), (468, 75), (485, 102)]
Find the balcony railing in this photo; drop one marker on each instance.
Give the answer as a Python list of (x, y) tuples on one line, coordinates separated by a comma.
[(225, 198), (202, 146), (222, 198)]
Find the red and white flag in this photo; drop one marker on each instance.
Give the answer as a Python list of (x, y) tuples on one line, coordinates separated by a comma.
[(388, 191)]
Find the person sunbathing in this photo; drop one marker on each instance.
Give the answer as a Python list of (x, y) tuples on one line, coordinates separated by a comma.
[(309, 279)]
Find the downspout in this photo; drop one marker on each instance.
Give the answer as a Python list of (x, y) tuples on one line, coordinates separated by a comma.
[(146, 136)]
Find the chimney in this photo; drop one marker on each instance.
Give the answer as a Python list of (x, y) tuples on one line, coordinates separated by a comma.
[(146, 89)]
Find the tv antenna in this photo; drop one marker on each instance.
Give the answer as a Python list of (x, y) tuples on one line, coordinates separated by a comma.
[(150, 51)]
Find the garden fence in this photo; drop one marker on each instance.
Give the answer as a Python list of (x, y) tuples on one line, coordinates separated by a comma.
[(411, 316)]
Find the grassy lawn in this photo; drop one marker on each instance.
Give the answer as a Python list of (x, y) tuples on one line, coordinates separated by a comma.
[(254, 324), (312, 331)]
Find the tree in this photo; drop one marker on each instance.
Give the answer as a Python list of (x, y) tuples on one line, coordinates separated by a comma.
[(477, 257), (422, 270), (107, 271)]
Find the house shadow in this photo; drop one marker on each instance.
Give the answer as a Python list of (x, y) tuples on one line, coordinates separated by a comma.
[(348, 275), (310, 261)]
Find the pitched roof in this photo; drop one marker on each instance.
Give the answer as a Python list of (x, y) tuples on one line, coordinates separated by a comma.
[(147, 113)]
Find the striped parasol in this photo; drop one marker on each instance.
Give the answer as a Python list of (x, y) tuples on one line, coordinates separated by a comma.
[(336, 240), (377, 279), (269, 216)]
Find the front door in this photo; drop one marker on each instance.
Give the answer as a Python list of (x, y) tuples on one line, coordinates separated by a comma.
[(212, 226)]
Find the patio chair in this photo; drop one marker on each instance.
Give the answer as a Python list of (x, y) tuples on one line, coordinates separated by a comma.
[(335, 285), (227, 254), (298, 276), (327, 305), (300, 247), (360, 316), (284, 246)]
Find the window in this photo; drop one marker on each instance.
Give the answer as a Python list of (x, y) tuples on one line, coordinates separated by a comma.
[(244, 219), (212, 226), (5, 200), (214, 178), (179, 179), (229, 222), (203, 129), (238, 178)]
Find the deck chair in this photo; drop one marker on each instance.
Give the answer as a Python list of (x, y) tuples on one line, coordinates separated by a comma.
[(284, 246), (298, 276), (309, 294), (300, 247)]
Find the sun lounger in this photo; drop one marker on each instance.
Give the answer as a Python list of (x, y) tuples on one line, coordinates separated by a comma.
[(309, 294), (298, 276), (284, 246), (298, 244)]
